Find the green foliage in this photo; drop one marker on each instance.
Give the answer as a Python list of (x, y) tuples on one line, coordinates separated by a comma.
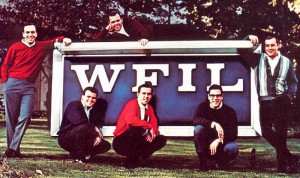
[(235, 19), (221, 19), (74, 18)]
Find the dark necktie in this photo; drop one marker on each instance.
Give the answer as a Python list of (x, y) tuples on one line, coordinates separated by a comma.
[(146, 118)]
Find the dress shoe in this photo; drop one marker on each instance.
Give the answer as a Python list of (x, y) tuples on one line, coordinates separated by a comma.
[(252, 158), (10, 153), (222, 165), (87, 157), (146, 155), (84, 159), (79, 161), (203, 167), (203, 163), (293, 163), (130, 164), (282, 170), (17, 154)]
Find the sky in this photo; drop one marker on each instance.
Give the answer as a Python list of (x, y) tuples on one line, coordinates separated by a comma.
[(2, 2)]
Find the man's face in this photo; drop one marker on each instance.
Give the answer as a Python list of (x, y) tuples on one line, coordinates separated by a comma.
[(271, 47), (215, 98), (29, 34), (115, 22), (89, 98), (145, 95)]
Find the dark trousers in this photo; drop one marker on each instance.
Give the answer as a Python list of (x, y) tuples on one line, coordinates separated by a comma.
[(225, 152), (273, 118), (79, 141), (133, 144)]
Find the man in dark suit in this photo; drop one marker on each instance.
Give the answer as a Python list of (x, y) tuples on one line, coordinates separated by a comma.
[(123, 29), (137, 134), (80, 131)]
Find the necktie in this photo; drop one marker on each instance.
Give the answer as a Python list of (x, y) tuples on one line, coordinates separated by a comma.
[(146, 118)]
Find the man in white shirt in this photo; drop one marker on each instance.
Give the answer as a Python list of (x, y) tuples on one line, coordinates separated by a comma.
[(276, 87), (123, 29)]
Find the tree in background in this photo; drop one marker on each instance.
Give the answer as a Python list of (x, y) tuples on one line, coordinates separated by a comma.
[(211, 19), (158, 11), (235, 19), (74, 18), (77, 19), (215, 19)]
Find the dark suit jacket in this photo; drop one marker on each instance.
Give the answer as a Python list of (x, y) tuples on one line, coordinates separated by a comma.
[(131, 116), (133, 28), (75, 115)]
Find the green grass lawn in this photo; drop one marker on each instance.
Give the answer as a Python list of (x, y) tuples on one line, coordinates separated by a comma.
[(44, 158)]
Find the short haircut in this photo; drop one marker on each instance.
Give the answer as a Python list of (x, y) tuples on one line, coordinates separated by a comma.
[(111, 13), (91, 89), (146, 85), (215, 87), (271, 37), (29, 24)]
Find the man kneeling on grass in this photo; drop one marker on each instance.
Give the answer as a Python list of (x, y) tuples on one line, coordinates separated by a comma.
[(80, 132), (215, 130), (137, 134)]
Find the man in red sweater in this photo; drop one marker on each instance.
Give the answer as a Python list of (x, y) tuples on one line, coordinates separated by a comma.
[(137, 134), (18, 74)]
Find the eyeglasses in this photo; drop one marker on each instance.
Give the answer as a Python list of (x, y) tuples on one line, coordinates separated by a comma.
[(217, 96)]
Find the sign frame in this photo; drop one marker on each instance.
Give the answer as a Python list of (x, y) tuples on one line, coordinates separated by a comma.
[(153, 48)]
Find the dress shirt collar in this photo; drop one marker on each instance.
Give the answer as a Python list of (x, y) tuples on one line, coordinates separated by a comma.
[(27, 44), (122, 31), (87, 110), (273, 62), (277, 57), (141, 105), (217, 107)]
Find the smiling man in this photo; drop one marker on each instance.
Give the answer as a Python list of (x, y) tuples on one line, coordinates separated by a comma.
[(80, 130), (137, 134), (276, 87), (123, 29), (19, 71), (215, 130)]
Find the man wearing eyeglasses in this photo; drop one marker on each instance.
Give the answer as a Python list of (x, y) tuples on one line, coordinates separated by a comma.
[(215, 130), (19, 71)]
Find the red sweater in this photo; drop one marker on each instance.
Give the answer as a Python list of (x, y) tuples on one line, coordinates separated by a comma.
[(24, 62), (131, 116)]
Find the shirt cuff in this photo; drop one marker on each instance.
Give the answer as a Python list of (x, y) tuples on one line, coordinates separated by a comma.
[(212, 125), (221, 140)]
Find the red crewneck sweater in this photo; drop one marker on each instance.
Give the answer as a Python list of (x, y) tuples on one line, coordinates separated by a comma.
[(24, 62)]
